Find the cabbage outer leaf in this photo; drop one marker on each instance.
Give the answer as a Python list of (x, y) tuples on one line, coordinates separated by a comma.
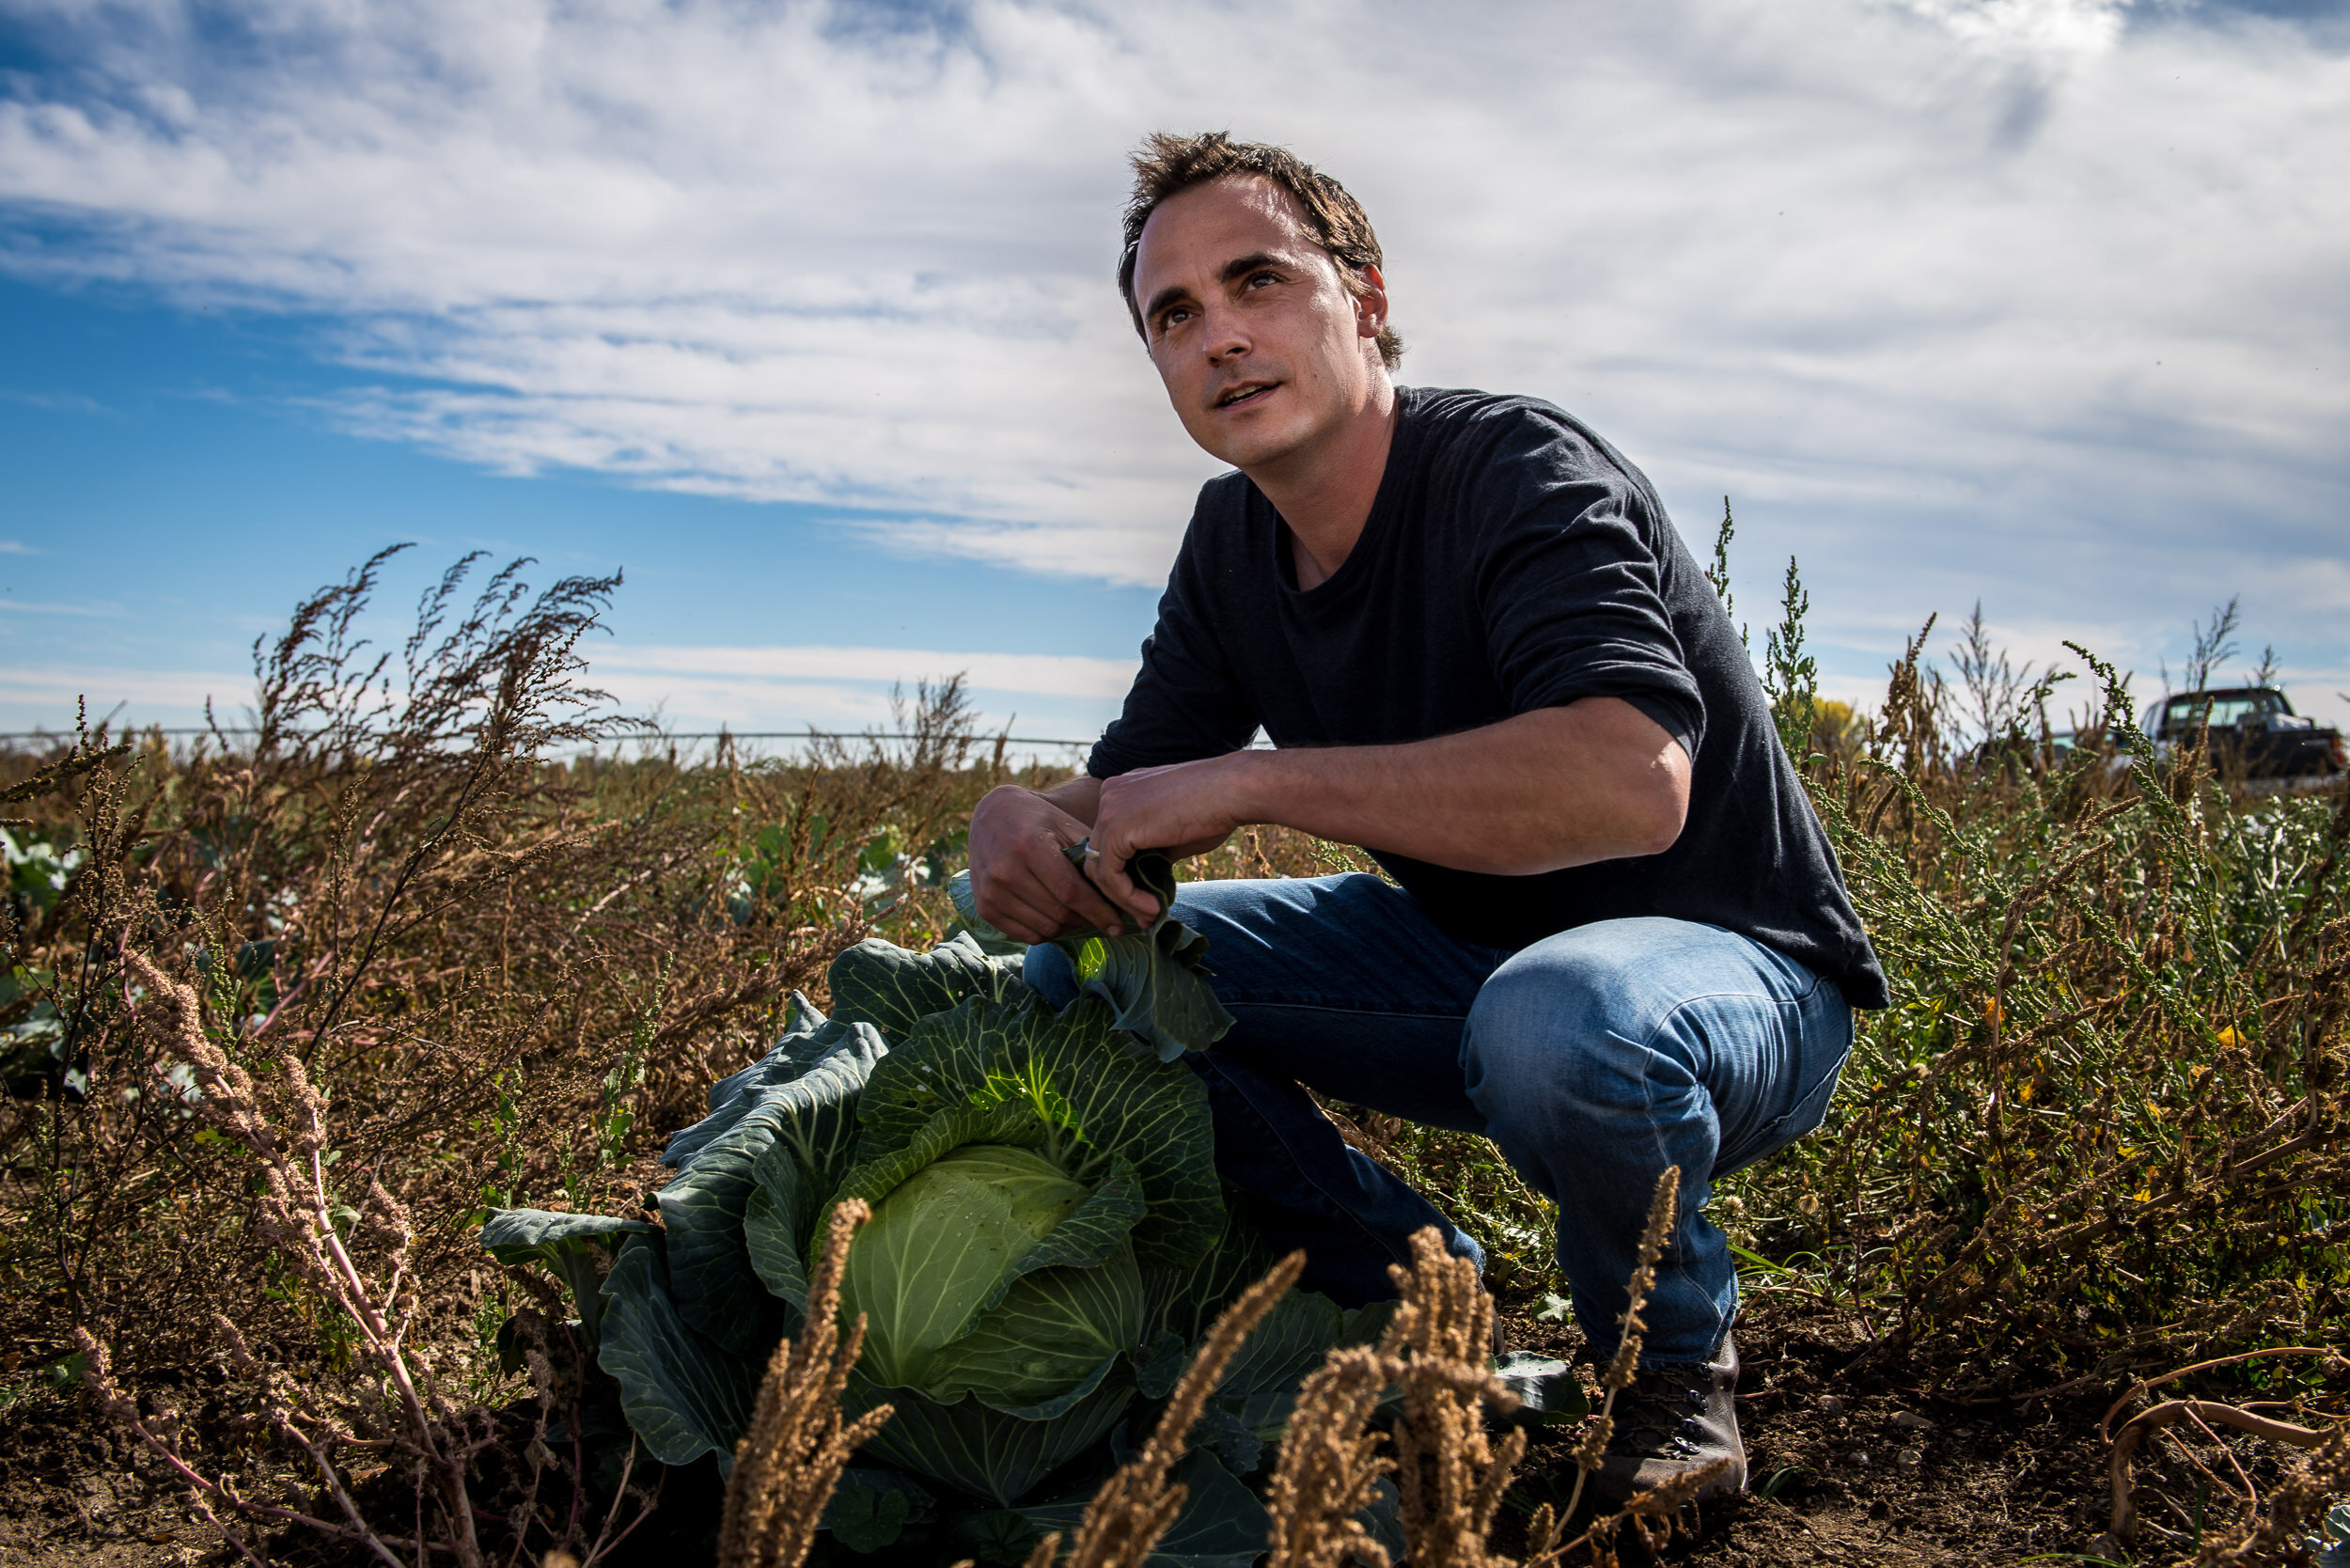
[(867, 1519), (1155, 981), (1093, 1097), (805, 1041), (564, 1243), (683, 1394), (873, 1506), (1288, 1344), (811, 1118), (1186, 1296), (776, 1223), (995, 1454), (1260, 1384), (892, 989), (1221, 1524)]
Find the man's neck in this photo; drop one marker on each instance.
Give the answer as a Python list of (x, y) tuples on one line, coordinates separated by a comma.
[(1325, 494)]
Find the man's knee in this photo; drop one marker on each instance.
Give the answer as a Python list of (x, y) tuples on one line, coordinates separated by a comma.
[(1570, 1047), (1049, 973), (1581, 1004)]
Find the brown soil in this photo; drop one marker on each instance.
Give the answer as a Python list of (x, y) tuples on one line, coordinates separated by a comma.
[(1833, 1438), (1850, 1462)]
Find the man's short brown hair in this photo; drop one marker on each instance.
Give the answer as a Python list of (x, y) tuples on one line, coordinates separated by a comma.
[(1167, 163)]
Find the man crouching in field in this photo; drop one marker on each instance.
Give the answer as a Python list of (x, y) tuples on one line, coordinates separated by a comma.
[(1619, 941)]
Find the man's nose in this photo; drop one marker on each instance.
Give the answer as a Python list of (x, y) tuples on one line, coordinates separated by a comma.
[(1225, 338)]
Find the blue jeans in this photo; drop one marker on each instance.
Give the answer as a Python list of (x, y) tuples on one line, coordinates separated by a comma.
[(1593, 1060)]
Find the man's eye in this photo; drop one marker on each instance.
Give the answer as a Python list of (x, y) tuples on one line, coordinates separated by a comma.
[(1256, 278)]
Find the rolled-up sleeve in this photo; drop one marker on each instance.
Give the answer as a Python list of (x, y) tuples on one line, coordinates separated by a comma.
[(1570, 586)]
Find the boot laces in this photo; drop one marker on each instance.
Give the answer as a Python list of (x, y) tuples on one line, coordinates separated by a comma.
[(1659, 1410)]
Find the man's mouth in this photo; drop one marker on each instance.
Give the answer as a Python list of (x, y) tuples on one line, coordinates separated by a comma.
[(1246, 392)]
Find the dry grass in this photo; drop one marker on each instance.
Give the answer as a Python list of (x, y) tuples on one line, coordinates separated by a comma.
[(1330, 1464), (284, 1016), (788, 1464), (1136, 1506), (1450, 1471)]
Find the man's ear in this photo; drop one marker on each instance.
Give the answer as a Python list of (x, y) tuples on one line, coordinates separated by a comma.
[(1371, 306)]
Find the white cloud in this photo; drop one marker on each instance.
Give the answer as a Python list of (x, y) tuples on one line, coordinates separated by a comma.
[(2029, 299), (29, 606), (59, 403), (50, 689), (2034, 30)]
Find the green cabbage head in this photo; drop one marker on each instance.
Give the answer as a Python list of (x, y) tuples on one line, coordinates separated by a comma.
[(949, 1308), (1049, 1242)]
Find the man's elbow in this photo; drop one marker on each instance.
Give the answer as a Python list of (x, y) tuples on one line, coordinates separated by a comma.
[(1656, 825), (1643, 818), (1652, 800)]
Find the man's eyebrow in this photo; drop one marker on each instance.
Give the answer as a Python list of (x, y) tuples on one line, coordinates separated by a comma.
[(1164, 298), (1239, 267), (1242, 266)]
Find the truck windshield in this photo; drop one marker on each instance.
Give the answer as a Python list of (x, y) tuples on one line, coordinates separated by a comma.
[(2185, 713)]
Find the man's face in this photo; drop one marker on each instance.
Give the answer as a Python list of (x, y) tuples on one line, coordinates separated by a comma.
[(1260, 346)]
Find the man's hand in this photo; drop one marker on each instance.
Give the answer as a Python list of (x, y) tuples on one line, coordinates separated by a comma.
[(1023, 884), (1596, 779), (1184, 809)]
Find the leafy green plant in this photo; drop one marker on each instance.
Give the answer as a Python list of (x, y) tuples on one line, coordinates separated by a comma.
[(1048, 1243), (1156, 979), (1790, 676), (2102, 1123)]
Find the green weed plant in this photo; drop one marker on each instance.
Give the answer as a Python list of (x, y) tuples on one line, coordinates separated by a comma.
[(2100, 1128)]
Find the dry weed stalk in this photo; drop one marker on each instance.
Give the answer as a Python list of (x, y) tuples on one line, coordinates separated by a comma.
[(1136, 1506), (296, 1209), (1450, 1474), (1330, 1463), (1589, 1452), (2201, 1414), (2090, 1145), (1659, 1503), (788, 1464), (2296, 1508)]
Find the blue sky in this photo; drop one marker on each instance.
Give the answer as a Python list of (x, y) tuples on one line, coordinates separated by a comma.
[(175, 488), (800, 316)]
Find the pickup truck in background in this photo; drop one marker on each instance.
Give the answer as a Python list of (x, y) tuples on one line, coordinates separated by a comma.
[(2253, 729)]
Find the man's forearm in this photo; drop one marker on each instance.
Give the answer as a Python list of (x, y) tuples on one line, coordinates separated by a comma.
[(1595, 780), (1555, 788), (1081, 796)]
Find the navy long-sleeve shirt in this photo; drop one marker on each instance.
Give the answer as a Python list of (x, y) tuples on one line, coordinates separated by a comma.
[(1511, 560)]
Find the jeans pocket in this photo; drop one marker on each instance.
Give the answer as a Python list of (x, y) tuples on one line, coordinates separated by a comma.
[(1808, 1112)]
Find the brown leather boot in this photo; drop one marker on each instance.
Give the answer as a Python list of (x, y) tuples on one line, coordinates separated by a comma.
[(1671, 1420)]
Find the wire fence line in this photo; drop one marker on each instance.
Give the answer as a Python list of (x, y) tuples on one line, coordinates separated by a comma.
[(61, 736)]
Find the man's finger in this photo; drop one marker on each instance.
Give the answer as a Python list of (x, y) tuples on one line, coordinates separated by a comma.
[(1057, 897), (1084, 899), (1015, 903), (1020, 918), (1109, 874)]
